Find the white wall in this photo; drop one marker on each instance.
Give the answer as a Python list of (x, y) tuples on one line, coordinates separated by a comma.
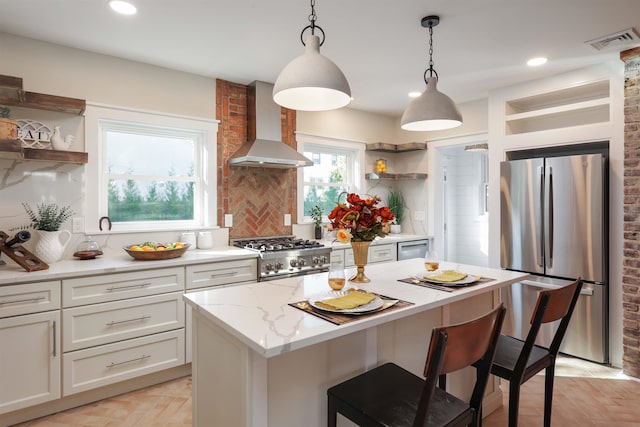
[(57, 70)]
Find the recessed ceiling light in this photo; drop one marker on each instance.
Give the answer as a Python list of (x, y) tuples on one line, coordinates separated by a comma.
[(123, 7), (535, 62), (414, 94)]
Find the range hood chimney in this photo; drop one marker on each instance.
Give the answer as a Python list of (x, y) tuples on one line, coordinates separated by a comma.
[(264, 147)]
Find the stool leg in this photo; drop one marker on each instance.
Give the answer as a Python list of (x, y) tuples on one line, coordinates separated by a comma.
[(548, 394), (514, 402)]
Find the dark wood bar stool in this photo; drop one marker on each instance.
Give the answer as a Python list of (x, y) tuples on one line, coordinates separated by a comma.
[(389, 395), (517, 361)]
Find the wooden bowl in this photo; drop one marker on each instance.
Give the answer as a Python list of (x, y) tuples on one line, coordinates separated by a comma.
[(156, 255)]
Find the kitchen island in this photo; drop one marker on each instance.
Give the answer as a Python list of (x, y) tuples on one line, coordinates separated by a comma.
[(258, 361)]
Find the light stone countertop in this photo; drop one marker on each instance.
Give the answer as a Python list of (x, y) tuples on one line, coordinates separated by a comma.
[(259, 315), (117, 262), (12, 273)]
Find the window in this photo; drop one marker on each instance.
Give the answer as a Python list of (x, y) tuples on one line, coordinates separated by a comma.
[(336, 168), (152, 172)]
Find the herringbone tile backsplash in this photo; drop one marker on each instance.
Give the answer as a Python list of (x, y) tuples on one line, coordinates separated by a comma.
[(257, 198)]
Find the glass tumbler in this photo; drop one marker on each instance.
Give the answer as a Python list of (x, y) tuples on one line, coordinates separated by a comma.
[(336, 276), (431, 262)]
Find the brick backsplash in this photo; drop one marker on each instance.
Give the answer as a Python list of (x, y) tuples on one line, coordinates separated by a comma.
[(631, 254), (258, 198)]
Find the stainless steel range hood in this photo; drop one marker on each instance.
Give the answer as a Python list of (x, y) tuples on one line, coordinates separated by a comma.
[(264, 147)]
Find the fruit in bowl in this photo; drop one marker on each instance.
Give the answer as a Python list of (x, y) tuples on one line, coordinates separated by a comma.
[(154, 251)]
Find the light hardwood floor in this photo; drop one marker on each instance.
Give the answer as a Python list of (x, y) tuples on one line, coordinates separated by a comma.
[(585, 395)]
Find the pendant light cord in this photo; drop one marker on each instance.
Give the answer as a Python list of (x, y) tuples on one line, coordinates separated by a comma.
[(312, 18)]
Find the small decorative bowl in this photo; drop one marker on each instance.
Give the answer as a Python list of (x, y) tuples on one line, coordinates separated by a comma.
[(156, 255)]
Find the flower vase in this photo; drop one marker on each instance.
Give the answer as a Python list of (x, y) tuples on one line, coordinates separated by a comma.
[(317, 232), (50, 245), (360, 257)]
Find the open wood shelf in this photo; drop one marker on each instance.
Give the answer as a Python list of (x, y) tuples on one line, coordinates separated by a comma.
[(396, 148), (11, 149), (12, 94), (395, 176)]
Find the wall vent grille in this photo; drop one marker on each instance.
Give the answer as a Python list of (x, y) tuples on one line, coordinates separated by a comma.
[(616, 40)]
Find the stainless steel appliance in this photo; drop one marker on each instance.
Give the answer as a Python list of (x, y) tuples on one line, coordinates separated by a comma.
[(412, 249), (286, 256), (553, 219)]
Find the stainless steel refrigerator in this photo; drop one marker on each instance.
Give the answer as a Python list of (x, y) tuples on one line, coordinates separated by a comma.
[(554, 225)]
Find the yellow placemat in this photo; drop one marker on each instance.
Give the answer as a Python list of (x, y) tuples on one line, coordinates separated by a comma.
[(447, 276), (351, 300)]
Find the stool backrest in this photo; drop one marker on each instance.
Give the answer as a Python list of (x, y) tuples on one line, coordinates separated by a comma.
[(552, 305), (458, 346)]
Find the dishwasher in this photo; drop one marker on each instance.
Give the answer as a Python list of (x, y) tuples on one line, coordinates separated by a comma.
[(412, 249)]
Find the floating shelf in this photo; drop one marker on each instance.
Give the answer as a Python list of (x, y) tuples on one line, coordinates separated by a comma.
[(396, 148), (12, 94), (395, 176), (11, 149)]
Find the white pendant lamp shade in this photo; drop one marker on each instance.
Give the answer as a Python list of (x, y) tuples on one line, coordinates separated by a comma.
[(311, 82), (433, 110)]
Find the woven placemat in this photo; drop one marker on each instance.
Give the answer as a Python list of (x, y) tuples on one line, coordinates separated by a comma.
[(341, 319), (443, 287)]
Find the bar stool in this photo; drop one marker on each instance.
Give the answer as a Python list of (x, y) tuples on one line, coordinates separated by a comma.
[(517, 361), (389, 395)]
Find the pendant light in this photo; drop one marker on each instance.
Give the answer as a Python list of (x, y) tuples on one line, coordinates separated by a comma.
[(433, 110), (311, 82)]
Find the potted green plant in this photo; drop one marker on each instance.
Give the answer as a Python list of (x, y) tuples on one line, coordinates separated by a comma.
[(316, 216), (46, 219), (395, 202)]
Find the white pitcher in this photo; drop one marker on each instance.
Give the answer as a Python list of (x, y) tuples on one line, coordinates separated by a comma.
[(50, 245)]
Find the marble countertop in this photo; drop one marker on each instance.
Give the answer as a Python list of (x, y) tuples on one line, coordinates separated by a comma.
[(117, 263), (259, 315)]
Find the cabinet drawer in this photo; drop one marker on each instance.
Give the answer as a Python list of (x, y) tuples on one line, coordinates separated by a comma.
[(382, 253), (113, 287), (98, 324), (29, 298), (111, 363), (222, 273)]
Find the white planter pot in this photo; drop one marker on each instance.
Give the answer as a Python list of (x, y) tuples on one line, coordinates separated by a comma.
[(396, 228)]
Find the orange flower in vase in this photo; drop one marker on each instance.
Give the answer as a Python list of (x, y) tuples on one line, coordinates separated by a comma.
[(360, 221)]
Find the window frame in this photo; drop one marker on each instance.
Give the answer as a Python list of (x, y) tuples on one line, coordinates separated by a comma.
[(355, 174), (203, 131)]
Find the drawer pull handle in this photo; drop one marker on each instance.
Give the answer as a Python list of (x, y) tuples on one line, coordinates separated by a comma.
[(138, 319), (231, 273), (16, 301), (55, 343), (120, 288), (143, 357)]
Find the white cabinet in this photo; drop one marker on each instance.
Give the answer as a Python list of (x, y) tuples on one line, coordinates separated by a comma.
[(119, 326), (30, 371), (222, 273), (211, 275), (103, 365), (98, 324), (377, 253), (112, 287)]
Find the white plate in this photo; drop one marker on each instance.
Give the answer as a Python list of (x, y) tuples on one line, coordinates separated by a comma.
[(425, 277), (373, 305)]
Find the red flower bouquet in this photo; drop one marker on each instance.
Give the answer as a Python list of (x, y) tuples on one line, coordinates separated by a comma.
[(360, 220)]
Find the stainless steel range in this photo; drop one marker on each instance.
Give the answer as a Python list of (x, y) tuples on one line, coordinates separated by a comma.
[(286, 256)]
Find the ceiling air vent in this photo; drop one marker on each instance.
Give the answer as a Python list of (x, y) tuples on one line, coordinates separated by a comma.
[(616, 40)]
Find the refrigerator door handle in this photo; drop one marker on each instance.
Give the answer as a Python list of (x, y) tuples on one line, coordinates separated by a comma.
[(551, 221), (540, 257)]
